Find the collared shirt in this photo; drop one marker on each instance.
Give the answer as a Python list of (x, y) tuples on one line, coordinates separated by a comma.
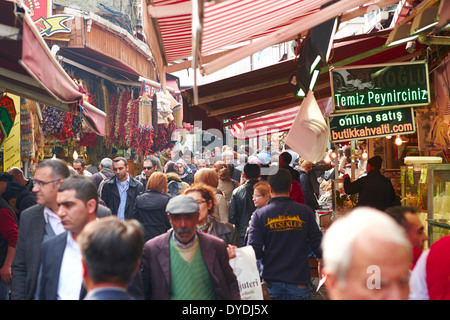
[(186, 251), (71, 274), (123, 188), (54, 220), (93, 291), (183, 245)]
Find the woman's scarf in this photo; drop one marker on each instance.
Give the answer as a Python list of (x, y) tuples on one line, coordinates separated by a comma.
[(207, 227), (186, 169)]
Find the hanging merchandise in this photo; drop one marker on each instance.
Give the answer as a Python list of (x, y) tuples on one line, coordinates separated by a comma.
[(89, 139), (144, 125), (26, 128), (116, 99), (177, 110), (145, 111), (53, 120), (165, 115), (164, 137), (122, 114), (132, 123)]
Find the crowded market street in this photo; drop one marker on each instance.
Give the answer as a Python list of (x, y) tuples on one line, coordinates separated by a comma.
[(224, 150)]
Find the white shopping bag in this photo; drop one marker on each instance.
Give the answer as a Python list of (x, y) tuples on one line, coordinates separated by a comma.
[(246, 271)]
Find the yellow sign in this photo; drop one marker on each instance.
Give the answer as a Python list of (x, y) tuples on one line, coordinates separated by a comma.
[(11, 148), (52, 24)]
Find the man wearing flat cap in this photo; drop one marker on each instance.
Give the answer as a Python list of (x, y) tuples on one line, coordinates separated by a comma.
[(184, 264), (374, 189)]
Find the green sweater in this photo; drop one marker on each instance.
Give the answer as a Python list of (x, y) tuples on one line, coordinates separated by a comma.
[(190, 280)]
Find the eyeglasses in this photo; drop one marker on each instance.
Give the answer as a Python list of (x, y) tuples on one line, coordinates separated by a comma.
[(200, 201), (43, 183), (148, 168)]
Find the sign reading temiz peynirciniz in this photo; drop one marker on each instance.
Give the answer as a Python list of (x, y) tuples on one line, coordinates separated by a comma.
[(380, 86), (356, 126)]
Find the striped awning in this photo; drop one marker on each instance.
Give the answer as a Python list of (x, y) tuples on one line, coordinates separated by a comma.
[(227, 23), (168, 25), (273, 123)]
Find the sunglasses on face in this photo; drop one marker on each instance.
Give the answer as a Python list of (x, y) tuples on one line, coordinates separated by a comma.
[(148, 168)]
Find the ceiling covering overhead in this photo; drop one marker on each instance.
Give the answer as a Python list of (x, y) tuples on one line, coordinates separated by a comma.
[(203, 31), (266, 90)]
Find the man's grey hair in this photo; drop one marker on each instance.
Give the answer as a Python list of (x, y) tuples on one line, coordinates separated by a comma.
[(106, 163), (338, 241)]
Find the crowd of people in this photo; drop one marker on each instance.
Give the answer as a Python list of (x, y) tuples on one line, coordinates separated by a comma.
[(170, 231)]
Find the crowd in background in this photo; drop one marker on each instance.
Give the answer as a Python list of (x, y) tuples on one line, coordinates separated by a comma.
[(49, 226)]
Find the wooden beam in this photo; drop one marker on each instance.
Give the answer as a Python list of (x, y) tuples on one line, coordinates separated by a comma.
[(188, 64), (360, 56), (363, 10), (239, 91), (243, 106)]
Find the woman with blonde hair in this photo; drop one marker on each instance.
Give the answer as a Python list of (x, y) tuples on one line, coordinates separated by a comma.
[(150, 206), (261, 194), (210, 177), (207, 223), (261, 197)]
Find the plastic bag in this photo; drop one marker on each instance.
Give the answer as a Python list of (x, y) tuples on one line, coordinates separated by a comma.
[(246, 271)]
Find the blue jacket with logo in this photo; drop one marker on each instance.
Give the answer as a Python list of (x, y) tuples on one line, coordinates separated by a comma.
[(280, 233)]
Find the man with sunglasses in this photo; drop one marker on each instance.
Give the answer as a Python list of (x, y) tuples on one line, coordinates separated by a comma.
[(150, 166)]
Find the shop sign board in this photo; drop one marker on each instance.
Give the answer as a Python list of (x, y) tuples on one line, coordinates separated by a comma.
[(2, 135), (6, 119), (8, 103), (364, 125), (380, 86), (46, 22), (11, 147)]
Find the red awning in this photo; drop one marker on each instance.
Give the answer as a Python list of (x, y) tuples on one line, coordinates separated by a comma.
[(274, 122), (253, 95), (28, 69), (169, 26), (227, 23)]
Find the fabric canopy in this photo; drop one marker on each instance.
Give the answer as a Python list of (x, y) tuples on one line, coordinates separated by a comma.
[(274, 122), (253, 95), (169, 27), (28, 69)]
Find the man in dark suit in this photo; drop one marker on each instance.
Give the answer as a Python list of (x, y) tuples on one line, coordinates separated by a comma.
[(165, 257), (119, 193), (38, 223), (61, 275), (111, 251)]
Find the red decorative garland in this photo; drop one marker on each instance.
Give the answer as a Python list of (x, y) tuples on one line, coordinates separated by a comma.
[(112, 117), (121, 129), (88, 140), (66, 132)]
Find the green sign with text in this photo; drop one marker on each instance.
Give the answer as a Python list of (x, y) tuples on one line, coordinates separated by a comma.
[(381, 86), (364, 125)]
